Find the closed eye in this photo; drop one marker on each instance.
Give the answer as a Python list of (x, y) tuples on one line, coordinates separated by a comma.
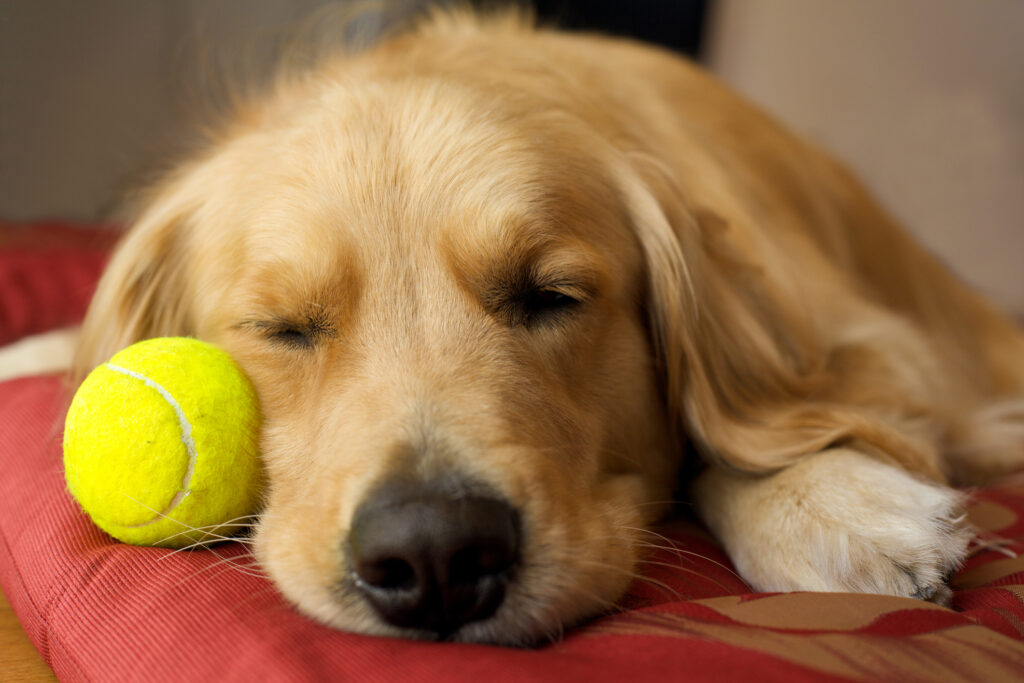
[(292, 337), (304, 334), (546, 302), (537, 305)]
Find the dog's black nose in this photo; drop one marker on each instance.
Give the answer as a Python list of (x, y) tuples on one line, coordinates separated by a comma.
[(431, 561)]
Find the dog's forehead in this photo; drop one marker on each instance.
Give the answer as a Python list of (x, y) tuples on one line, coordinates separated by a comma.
[(399, 144), (375, 190), (389, 165)]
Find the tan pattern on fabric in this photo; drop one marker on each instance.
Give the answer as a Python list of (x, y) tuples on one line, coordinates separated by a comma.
[(800, 649), (961, 653), (989, 516), (988, 573), (1016, 591), (813, 611)]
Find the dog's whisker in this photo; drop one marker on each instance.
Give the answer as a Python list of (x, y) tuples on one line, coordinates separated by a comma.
[(670, 547), (681, 553), (631, 574), (224, 564), (652, 503), (208, 538), (687, 554), (248, 568), (213, 571), (188, 528), (651, 532), (235, 520), (687, 570), (204, 543)]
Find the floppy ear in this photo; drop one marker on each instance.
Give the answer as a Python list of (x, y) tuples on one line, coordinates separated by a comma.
[(145, 289), (743, 368)]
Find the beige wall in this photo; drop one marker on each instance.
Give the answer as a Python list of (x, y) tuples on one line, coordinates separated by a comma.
[(93, 92), (924, 98)]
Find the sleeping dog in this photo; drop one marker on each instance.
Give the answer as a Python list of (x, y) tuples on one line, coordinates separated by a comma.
[(492, 282)]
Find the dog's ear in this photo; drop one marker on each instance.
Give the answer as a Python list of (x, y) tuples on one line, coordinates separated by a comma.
[(743, 365), (145, 290)]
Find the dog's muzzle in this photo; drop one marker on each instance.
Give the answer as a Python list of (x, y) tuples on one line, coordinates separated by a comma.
[(428, 559)]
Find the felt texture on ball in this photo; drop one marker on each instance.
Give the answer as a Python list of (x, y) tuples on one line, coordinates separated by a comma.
[(161, 444)]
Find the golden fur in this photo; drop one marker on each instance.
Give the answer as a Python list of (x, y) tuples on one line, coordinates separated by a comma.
[(358, 236)]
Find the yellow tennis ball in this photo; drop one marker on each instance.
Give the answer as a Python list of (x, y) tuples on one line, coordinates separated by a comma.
[(161, 444)]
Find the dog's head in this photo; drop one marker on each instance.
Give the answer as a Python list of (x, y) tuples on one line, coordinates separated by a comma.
[(442, 306), (478, 314)]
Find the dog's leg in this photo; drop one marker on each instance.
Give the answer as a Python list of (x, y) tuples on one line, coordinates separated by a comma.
[(988, 443), (38, 354), (837, 521)]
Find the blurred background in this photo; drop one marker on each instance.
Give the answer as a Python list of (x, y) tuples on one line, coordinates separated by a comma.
[(923, 98)]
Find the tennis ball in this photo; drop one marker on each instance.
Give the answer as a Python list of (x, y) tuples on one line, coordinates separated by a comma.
[(161, 444)]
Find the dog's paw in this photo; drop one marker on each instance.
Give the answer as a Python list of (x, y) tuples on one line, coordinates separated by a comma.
[(837, 521)]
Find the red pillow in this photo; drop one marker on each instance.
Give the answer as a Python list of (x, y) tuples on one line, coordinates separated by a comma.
[(99, 610), (47, 274)]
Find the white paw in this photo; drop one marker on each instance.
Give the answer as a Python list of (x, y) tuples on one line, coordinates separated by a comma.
[(837, 521)]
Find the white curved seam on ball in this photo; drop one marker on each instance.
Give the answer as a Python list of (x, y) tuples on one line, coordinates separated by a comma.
[(186, 438)]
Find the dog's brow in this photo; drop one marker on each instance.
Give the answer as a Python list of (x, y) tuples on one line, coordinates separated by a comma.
[(312, 320), (548, 261)]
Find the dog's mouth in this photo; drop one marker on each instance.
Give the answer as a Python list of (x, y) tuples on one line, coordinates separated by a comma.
[(430, 561), (456, 560)]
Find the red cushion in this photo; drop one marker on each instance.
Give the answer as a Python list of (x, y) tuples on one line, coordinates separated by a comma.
[(47, 274), (99, 610)]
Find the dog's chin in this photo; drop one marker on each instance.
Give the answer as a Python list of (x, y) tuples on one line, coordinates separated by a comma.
[(540, 605), (524, 620), (506, 629), (496, 630)]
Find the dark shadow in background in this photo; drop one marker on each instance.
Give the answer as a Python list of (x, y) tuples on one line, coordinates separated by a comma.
[(675, 24)]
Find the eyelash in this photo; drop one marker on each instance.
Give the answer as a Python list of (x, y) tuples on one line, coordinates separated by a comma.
[(546, 302), (292, 335), (534, 305), (531, 306)]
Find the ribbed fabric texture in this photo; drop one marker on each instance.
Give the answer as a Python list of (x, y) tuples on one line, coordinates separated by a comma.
[(101, 611), (47, 274)]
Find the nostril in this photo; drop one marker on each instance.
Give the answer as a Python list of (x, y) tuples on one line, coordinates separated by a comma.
[(469, 565), (387, 574)]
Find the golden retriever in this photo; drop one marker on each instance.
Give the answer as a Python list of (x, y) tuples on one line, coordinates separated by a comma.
[(491, 283)]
